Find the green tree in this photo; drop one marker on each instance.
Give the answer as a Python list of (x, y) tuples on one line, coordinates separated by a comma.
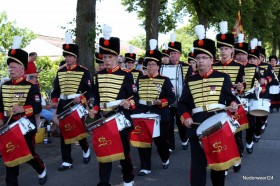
[(139, 41), (9, 29)]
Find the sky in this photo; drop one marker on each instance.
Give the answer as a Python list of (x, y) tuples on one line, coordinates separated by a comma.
[(45, 17)]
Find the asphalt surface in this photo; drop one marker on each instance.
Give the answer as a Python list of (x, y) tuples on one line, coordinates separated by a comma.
[(260, 168)]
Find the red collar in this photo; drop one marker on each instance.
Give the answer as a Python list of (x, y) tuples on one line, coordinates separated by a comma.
[(114, 69), (207, 74), (17, 81), (153, 76), (227, 62), (72, 67)]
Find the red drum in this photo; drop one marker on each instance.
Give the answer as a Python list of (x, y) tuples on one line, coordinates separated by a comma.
[(216, 135), (146, 127), (71, 124), (106, 139), (13, 146)]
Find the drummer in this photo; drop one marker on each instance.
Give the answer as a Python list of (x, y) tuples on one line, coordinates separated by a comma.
[(28, 104), (165, 57), (226, 64), (65, 93), (193, 103), (274, 96), (160, 92), (192, 62), (112, 89), (130, 64), (255, 77), (175, 52)]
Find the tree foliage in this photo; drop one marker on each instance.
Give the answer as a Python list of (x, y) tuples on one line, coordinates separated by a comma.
[(9, 29)]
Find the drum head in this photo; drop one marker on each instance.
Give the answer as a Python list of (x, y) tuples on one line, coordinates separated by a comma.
[(213, 120), (144, 115)]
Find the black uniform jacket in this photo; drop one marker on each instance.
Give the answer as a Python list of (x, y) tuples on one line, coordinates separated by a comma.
[(23, 93), (198, 91), (151, 88)]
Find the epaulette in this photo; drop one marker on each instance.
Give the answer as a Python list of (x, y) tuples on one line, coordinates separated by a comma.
[(124, 69), (30, 81), (83, 67)]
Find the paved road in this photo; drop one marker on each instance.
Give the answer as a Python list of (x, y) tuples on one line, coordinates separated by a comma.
[(259, 168)]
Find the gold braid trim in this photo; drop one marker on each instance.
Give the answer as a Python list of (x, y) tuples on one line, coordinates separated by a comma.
[(174, 49), (242, 127), (140, 144), (152, 58), (70, 53), (253, 56), (75, 139), (225, 44), (19, 161), (130, 59), (203, 50), (114, 157), (241, 51), (224, 165), (16, 60), (108, 49)]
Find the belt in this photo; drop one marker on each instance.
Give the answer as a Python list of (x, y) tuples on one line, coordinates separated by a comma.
[(110, 104), (208, 107), (148, 103), (71, 96)]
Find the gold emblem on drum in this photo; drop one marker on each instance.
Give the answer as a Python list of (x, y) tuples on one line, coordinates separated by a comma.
[(138, 130), (219, 147), (104, 142), (68, 127), (10, 147)]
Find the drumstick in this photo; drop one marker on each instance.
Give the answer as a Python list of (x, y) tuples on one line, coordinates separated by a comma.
[(9, 118), (196, 123), (217, 109), (73, 101), (237, 84), (114, 107)]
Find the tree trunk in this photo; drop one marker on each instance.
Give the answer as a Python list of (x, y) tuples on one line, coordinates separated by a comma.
[(274, 46), (85, 32), (152, 14)]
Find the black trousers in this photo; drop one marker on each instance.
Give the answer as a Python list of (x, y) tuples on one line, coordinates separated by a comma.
[(105, 169), (145, 154), (239, 142), (198, 167), (250, 131), (260, 121), (66, 149), (175, 118), (13, 172)]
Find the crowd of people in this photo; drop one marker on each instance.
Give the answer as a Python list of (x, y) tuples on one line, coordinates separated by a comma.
[(121, 98)]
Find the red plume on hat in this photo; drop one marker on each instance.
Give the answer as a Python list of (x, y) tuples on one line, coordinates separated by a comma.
[(200, 32), (107, 30)]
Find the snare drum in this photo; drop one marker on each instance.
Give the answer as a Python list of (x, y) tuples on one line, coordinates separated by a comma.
[(245, 104), (214, 123), (259, 107), (71, 124), (13, 146), (146, 127), (216, 136), (24, 124), (106, 138), (274, 89), (81, 110), (175, 73)]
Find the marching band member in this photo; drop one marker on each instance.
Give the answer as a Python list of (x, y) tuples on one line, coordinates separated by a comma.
[(192, 62), (255, 76), (70, 82), (99, 60), (159, 91), (129, 62), (20, 98), (241, 50), (274, 85), (205, 86), (113, 86), (175, 52), (225, 44), (165, 57)]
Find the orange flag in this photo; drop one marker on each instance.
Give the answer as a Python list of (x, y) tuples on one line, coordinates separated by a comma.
[(238, 27)]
